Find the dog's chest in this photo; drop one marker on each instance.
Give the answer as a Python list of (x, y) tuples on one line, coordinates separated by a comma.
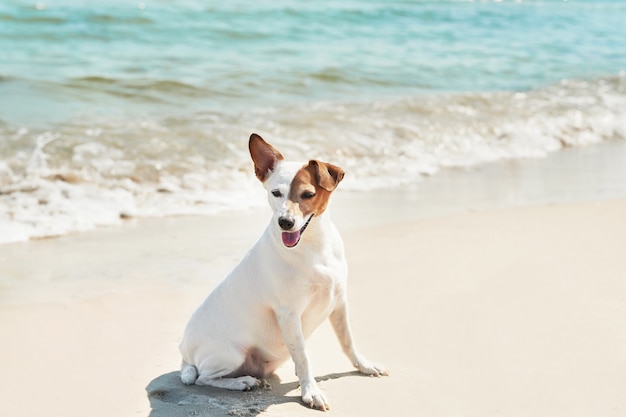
[(324, 279), (324, 287)]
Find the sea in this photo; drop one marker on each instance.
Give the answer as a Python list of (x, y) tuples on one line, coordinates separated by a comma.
[(116, 109)]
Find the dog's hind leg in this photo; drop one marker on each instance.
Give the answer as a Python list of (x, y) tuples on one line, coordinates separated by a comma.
[(222, 373)]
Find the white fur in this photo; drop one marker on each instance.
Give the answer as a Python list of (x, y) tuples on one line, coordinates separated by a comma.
[(270, 303)]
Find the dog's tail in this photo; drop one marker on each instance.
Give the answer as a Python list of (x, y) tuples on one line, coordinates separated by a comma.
[(188, 373)]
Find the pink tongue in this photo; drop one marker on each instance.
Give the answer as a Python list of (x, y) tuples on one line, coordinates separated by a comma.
[(291, 239)]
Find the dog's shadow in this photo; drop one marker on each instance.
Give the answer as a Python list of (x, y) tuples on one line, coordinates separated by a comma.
[(170, 398)]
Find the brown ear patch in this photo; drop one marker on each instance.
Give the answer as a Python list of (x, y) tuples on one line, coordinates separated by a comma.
[(328, 176), (264, 156), (312, 186)]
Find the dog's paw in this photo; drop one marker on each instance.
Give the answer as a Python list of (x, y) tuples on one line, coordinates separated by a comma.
[(371, 369), (248, 382), (242, 383), (314, 397)]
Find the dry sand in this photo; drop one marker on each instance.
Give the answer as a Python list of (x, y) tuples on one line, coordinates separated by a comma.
[(506, 312)]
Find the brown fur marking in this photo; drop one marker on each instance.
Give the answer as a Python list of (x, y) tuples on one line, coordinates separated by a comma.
[(264, 155), (318, 179)]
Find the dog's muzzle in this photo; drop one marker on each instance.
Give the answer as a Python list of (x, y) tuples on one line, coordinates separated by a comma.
[(291, 239)]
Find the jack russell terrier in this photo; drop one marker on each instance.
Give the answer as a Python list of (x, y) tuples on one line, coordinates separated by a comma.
[(287, 284)]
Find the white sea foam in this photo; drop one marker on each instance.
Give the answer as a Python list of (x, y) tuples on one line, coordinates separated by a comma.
[(96, 172)]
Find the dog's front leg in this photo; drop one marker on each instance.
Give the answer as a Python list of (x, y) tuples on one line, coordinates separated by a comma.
[(341, 325), (291, 328)]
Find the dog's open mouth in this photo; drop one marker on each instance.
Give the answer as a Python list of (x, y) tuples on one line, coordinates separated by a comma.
[(291, 239)]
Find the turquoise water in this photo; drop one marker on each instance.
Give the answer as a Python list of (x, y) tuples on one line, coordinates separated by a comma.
[(126, 108), (157, 56)]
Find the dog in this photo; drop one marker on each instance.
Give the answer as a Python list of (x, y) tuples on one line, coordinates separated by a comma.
[(288, 283)]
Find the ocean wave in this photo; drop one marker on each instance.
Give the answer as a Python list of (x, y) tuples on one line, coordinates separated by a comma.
[(100, 170), (131, 88), (174, 87), (119, 19), (391, 142), (33, 18)]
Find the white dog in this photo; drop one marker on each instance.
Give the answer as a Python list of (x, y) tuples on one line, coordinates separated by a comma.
[(289, 282)]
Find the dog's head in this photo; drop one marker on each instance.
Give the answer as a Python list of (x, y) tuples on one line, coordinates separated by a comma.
[(297, 192)]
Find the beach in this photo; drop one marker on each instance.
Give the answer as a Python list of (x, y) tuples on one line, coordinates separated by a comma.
[(483, 208), (513, 309)]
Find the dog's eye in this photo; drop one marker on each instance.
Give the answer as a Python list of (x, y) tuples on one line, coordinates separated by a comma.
[(277, 193), (307, 195)]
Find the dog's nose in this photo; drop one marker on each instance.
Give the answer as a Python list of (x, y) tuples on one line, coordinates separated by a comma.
[(286, 223)]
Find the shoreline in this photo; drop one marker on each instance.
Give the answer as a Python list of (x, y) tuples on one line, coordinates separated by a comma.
[(586, 173), (499, 183)]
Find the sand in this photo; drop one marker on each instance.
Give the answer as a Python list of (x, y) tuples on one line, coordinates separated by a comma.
[(504, 311)]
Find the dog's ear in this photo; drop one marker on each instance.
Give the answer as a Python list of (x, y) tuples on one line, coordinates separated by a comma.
[(327, 175), (264, 155)]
